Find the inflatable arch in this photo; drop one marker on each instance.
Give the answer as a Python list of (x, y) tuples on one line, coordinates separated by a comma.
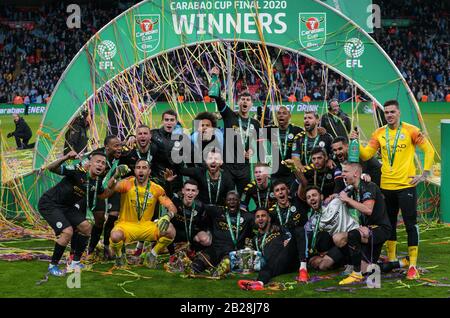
[(309, 27)]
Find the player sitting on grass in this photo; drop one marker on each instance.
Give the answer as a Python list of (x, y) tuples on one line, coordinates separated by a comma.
[(230, 227), (279, 253)]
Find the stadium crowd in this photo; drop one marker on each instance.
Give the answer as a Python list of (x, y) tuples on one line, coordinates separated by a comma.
[(34, 55)]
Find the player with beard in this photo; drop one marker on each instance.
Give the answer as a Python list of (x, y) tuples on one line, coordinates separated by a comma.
[(113, 151), (329, 181), (190, 220), (213, 182), (279, 253), (371, 168), (140, 147), (58, 206), (328, 256), (137, 205), (291, 215), (364, 243), (244, 131), (230, 227), (305, 143), (206, 137), (259, 190), (284, 134)]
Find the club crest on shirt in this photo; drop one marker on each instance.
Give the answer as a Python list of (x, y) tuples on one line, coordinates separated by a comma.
[(293, 209), (329, 176), (322, 144), (272, 195), (367, 195), (402, 137), (291, 136)]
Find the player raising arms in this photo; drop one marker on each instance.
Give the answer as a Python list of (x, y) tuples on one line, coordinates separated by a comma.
[(242, 130)]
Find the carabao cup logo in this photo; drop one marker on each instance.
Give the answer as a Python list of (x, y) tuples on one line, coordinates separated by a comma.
[(147, 32), (312, 30), (147, 25), (312, 24)]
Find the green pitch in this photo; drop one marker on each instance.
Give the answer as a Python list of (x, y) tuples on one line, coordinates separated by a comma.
[(18, 279)]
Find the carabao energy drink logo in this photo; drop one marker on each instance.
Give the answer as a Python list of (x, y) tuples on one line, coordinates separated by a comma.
[(312, 30), (147, 32)]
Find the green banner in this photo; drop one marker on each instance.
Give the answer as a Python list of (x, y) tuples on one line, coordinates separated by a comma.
[(150, 28), (357, 10), (364, 107), (9, 109)]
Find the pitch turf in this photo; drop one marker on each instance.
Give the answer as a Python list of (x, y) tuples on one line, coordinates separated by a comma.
[(18, 279)]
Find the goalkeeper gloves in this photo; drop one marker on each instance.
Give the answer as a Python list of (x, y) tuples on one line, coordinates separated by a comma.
[(163, 223)]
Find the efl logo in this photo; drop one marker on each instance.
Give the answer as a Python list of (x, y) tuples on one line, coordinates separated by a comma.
[(354, 48), (106, 50)]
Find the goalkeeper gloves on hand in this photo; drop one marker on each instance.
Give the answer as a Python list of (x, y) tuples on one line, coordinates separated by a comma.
[(163, 223)]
